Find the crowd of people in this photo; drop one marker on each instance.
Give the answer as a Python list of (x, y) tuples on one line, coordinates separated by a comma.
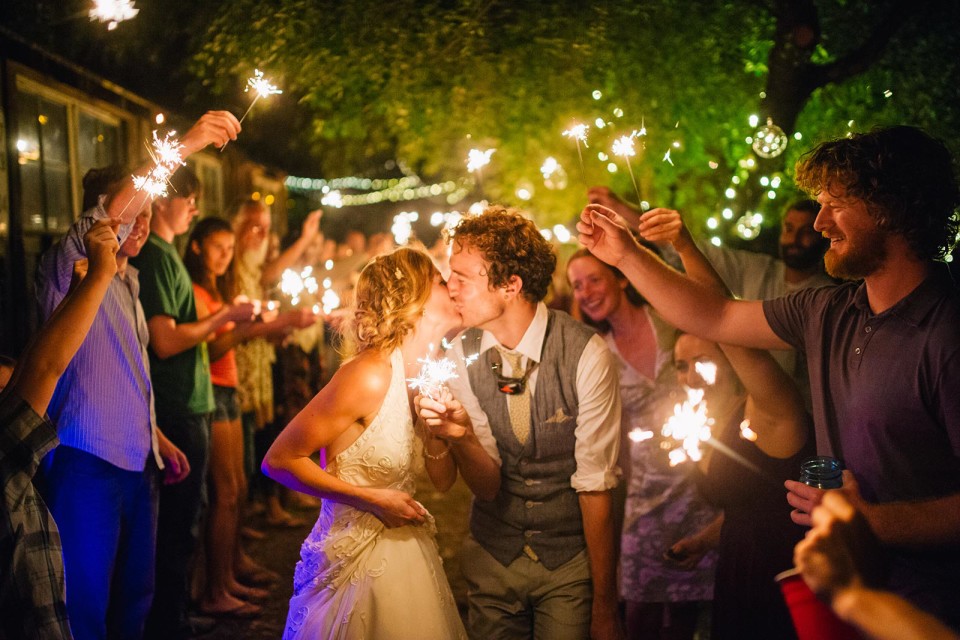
[(167, 377)]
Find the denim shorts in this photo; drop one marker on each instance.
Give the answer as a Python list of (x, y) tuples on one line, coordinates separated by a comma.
[(227, 404)]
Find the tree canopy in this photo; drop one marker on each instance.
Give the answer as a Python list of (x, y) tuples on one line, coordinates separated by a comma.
[(427, 80)]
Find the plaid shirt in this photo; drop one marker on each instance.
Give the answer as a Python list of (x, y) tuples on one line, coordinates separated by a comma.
[(32, 595)]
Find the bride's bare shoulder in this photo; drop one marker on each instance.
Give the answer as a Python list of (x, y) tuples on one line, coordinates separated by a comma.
[(368, 373)]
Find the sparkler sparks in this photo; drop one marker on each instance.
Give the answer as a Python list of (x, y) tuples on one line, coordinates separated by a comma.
[(167, 156), (294, 284), (623, 147), (689, 426), (434, 374), (579, 133), (113, 12), (476, 159)]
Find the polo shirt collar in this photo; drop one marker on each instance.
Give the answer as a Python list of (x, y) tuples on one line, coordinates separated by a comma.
[(915, 306)]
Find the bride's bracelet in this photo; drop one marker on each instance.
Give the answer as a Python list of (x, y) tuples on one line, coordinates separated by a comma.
[(440, 456)]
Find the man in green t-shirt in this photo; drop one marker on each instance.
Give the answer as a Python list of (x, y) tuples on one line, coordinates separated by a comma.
[(180, 370)]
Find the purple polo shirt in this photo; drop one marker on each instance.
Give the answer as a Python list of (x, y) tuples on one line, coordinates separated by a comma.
[(886, 401)]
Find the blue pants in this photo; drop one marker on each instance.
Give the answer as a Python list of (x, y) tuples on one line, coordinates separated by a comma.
[(107, 518), (178, 527)]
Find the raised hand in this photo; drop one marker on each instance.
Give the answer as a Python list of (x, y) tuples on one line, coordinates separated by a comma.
[(445, 417), (102, 246), (213, 127), (604, 234), (311, 225), (664, 225)]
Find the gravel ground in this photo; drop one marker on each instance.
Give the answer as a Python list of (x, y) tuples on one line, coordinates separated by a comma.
[(280, 551)]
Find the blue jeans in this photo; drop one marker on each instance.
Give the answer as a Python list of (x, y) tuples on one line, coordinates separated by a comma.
[(178, 526), (107, 518)]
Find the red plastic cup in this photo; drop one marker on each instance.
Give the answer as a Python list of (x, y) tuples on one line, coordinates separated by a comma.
[(813, 619)]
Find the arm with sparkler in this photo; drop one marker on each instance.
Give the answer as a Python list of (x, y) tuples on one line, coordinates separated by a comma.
[(448, 420), (777, 419), (167, 154), (685, 304)]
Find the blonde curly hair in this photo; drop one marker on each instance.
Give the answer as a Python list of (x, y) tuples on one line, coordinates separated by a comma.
[(389, 299)]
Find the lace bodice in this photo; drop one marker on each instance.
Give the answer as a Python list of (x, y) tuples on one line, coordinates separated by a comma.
[(387, 453)]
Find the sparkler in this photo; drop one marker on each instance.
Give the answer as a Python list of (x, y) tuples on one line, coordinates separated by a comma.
[(579, 133), (477, 160), (434, 375), (113, 12), (167, 156), (294, 284), (689, 426), (623, 147), (262, 87)]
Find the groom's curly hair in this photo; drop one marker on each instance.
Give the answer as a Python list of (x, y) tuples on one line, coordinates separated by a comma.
[(512, 246)]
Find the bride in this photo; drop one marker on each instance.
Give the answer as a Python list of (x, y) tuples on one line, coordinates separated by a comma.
[(370, 568)]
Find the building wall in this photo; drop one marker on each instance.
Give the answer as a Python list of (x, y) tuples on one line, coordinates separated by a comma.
[(56, 122)]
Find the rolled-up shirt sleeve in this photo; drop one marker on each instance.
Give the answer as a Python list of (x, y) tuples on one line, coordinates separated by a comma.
[(598, 419)]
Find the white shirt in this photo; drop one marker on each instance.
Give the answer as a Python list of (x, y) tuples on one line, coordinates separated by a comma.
[(598, 389)]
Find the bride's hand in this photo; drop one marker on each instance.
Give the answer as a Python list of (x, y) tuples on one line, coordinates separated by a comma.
[(446, 418), (395, 508)]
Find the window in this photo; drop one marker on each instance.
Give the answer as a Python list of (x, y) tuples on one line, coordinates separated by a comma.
[(59, 137), (43, 154)]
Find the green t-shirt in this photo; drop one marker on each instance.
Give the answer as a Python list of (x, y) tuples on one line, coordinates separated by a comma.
[(181, 383)]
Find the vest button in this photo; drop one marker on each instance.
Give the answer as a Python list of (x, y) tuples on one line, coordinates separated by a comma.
[(529, 482), (529, 504), (528, 534)]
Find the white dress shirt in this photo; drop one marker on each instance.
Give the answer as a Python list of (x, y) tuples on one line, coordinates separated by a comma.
[(598, 391)]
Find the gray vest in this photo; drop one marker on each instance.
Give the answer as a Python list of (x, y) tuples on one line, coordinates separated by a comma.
[(536, 504)]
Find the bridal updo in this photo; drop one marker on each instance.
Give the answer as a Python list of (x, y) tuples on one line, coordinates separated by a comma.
[(389, 299)]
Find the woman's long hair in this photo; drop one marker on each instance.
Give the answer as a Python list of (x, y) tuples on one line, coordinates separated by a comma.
[(193, 261)]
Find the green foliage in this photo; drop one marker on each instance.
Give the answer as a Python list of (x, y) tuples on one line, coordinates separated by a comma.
[(426, 81)]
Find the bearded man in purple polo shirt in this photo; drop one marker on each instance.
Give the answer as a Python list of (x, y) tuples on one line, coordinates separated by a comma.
[(883, 350)]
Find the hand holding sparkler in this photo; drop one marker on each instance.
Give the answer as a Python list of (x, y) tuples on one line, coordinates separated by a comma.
[(662, 226), (444, 416), (213, 127), (605, 235), (606, 197)]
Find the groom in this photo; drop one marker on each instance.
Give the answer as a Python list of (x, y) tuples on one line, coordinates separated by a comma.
[(535, 433)]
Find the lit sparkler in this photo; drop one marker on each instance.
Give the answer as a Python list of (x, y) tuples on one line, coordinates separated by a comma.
[(330, 301), (113, 12), (477, 160), (294, 284), (623, 147), (689, 427), (167, 156), (262, 87), (434, 375), (579, 133)]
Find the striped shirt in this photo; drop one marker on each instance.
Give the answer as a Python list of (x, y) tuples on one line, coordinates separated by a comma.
[(103, 404), (32, 594)]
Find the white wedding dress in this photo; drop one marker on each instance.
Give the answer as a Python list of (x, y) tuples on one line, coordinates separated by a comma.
[(358, 579)]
